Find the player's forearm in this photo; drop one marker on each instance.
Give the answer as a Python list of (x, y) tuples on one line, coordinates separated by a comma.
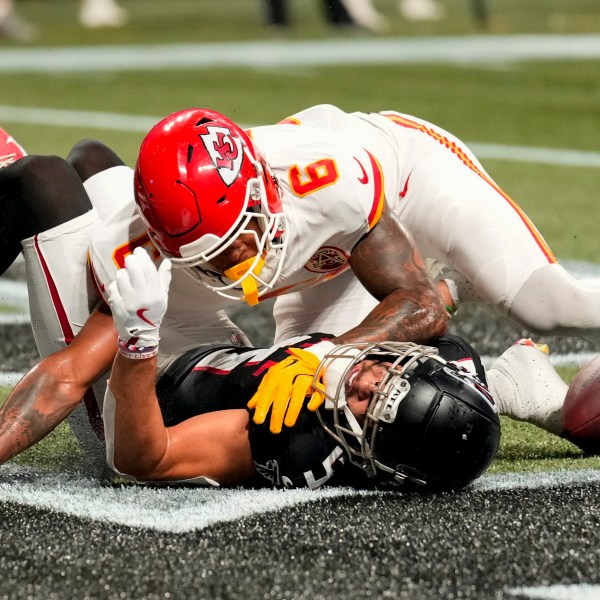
[(140, 437), (390, 267), (401, 317), (37, 404)]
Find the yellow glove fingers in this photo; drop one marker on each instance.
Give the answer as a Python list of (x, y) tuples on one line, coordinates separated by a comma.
[(262, 400), (307, 357), (264, 393), (280, 405), (283, 390), (300, 388), (316, 400)]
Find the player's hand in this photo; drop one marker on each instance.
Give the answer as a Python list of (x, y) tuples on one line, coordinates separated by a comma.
[(138, 299), (285, 386)]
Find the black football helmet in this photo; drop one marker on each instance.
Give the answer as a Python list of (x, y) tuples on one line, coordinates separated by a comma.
[(429, 424)]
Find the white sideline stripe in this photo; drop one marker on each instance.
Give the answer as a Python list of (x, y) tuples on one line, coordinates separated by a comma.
[(179, 510), (8, 378), (576, 591), (50, 117), (284, 53)]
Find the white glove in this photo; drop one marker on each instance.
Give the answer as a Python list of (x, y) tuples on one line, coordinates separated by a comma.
[(138, 299)]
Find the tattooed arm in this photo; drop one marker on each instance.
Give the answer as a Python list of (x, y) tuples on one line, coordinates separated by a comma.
[(48, 393), (389, 266)]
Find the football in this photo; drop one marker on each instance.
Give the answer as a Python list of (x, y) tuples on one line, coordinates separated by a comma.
[(581, 414)]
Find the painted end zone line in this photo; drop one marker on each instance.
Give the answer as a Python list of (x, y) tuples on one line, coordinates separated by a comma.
[(179, 510), (86, 120)]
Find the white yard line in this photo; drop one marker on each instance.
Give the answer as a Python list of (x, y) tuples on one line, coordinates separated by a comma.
[(575, 591), (179, 510), (81, 119), (306, 53)]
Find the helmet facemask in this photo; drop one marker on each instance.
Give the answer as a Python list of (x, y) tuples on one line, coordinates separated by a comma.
[(359, 436)]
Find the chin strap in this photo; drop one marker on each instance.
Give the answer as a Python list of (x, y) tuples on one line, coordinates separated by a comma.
[(249, 286)]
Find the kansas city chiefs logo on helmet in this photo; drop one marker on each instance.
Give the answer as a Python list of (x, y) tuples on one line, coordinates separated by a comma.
[(225, 151)]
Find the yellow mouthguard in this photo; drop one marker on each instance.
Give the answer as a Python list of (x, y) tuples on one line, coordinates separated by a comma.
[(249, 286)]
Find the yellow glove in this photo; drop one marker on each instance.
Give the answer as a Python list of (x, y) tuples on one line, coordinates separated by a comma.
[(285, 386)]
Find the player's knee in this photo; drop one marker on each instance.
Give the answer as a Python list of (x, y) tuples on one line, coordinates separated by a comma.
[(30, 168), (538, 319), (41, 195), (551, 301), (89, 157)]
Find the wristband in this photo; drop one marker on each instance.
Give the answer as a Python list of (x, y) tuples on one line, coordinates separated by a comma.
[(137, 352)]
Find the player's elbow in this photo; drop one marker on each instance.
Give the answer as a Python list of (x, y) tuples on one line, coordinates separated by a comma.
[(56, 383), (143, 464), (431, 321), (437, 325), (135, 467)]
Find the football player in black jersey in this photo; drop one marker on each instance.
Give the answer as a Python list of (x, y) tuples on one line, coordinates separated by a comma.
[(400, 414)]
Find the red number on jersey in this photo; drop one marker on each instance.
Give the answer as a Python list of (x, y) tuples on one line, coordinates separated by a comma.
[(316, 176), (121, 252)]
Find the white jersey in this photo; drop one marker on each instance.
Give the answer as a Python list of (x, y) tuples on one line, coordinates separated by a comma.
[(458, 216), (320, 175), (194, 316)]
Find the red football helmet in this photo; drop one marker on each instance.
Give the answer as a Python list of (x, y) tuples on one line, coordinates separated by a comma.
[(199, 179)]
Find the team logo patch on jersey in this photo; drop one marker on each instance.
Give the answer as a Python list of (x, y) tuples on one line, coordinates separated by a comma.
[(236, 339), (270, 471), (225, 151), (327, 259)]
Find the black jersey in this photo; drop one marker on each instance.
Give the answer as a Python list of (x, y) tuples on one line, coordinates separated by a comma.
[(213, 378)]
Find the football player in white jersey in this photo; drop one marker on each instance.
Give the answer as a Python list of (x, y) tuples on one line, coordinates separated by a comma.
[(312, 185), (48, 215)]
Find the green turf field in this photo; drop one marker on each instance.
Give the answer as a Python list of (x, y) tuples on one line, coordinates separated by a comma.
[(554, 104), (532, 104)]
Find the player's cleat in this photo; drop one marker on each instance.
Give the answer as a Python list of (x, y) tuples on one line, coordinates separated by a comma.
[(10, 151), (102, 13), (421, 10), (529, 342), (16, 29), (526, 386)]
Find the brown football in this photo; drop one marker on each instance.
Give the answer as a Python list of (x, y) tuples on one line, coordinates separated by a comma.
[(581, 414)]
